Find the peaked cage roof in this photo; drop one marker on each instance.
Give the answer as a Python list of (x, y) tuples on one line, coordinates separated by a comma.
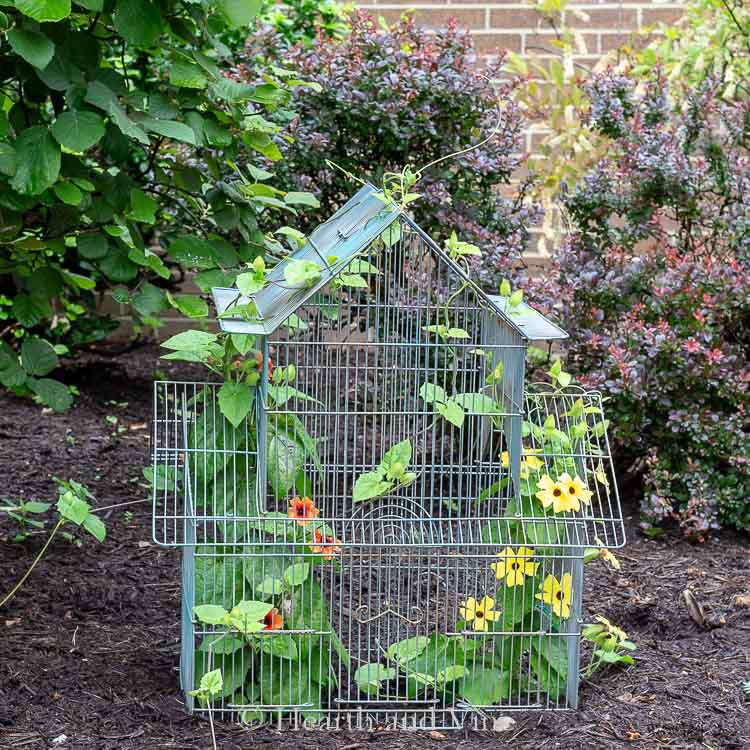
[(332, 246)]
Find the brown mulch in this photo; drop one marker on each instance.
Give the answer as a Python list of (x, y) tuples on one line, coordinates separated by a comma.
[(89, 647)]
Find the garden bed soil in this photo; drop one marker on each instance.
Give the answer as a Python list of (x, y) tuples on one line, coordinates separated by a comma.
[(89, 646)]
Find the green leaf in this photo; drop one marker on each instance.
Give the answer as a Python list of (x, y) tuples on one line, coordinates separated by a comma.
[(149, 301), (399, 453), (248, 616), (142, 207), (482, 686), (457, 333), (38, 356), (250, 283), (220, 644), (370, 485), (391, 235), (243, 342), (44, 10), (286, 458), (92, 246), (477, 403), (72, 508), (430, 393), (369, 676), (68, 193), (452, 411), (549, 660), (301, 273), (38, 161), (211, 614), (8, 168), (193, 252), (211, 684), (270, 586), (51, 393), (353, 280), (279, 644), (32, 506), (282, 393), (191, 341), (177, 131), (117, 267), (95, 526), (301, 199), (297, 574), (139, 22), (28, 310), (239, 12), (406, 650), (78, 130), (32, 46), (191, 305), (11, 372), (234, 669), (187, 74), (235, 401)]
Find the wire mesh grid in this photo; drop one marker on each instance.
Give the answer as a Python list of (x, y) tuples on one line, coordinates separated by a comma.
[(391, 636), (448, 593)]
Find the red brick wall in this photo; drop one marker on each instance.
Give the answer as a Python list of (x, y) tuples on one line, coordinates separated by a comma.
[(516, 25)]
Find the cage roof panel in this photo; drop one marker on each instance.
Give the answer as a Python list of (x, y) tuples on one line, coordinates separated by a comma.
[(331, 246), (530, 322)]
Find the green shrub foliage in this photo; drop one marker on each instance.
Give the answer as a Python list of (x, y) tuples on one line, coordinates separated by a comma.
[(120, 136), (654, 288)]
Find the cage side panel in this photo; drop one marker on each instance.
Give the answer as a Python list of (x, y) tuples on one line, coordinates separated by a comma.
[(398, 355), (422, 639)]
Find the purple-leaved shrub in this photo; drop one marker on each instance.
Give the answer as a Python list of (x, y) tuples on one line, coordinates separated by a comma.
[(654, 288), (390, 98)]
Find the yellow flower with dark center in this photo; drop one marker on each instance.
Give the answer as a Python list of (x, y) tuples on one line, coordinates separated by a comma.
[(479, 612), (552, 494), (574, 488), (557, 594), (529, 462), (514, 566)]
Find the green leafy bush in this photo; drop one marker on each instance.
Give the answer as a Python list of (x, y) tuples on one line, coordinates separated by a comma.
[(120, 133)]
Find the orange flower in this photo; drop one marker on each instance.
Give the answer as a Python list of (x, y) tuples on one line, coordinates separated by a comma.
[(303, 510), (259, 364), (325, 545), (273, 620)]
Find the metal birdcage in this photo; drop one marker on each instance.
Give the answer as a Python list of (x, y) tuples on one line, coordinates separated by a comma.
[(394, 534)]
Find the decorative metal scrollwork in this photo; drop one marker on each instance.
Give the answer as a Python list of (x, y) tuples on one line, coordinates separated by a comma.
[(361, 614)]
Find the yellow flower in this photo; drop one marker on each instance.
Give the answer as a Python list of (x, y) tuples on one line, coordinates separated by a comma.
[(479, 612), (551, 493), (575, 489), (557, 595), (529, 462), (514, 566)]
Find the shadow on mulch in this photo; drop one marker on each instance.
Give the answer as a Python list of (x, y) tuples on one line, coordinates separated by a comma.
[(89, 647)]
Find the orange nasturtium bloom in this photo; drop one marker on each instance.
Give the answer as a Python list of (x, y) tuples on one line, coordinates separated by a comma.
[(303, 510), (479, 612), (325, 545), (557, 594), (514, 566), (273, 620)]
